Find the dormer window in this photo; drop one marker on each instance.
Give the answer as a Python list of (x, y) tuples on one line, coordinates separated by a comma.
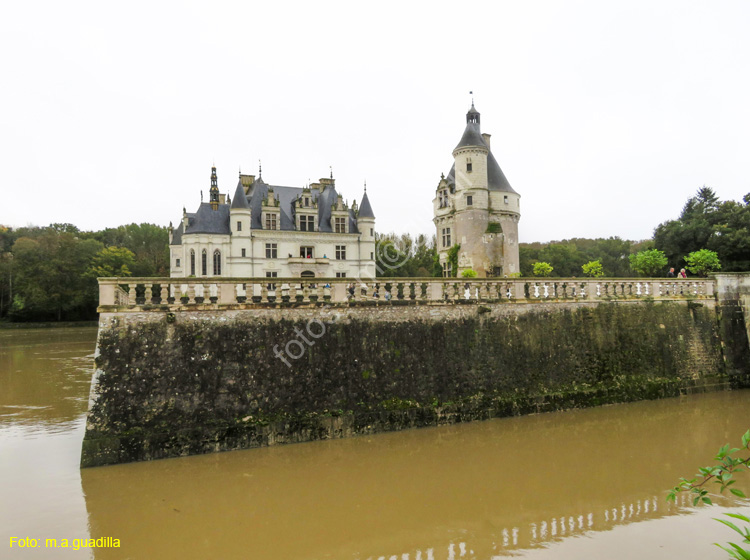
[(307, 223), (339, 225), (270, 221), (307, 201)]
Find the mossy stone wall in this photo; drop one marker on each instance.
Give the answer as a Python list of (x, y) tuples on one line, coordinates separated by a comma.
[(193, 386)]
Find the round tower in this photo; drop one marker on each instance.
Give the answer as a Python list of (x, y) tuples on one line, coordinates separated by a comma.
[(476, 208)]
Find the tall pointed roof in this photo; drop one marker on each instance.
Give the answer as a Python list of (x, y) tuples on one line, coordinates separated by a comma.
[(365, 210), (472, 133), (240, 200)]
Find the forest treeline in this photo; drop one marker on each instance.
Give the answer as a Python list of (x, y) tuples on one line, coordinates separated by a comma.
[(49, 273)]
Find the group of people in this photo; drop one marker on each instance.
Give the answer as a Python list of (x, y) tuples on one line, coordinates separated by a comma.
[(681, 274)]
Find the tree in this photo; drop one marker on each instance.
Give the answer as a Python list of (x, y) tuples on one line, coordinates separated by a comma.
[(542, 269), (112, 261), (469, 273), (649, 263), (708, 223), (593, 269), (721, 473), (702, 262)]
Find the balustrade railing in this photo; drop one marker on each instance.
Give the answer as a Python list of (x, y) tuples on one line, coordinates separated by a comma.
[(140, 293)]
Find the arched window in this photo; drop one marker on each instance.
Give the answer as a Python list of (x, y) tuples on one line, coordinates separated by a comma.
[(307, 274), (204, 258), (217, 263), (192, 262)]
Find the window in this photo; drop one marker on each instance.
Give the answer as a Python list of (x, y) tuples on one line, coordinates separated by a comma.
[(204, 259), (192, 263), (469, 200), (446, 237), (217, 263), (372, 232), (307, 223), (447, 269), (270, 221), (177, 264), (307, 202), (340, 252), (505, 198), (272, 286), (468, 167), (239, 225), (340, 225), (341, 275), (271, 251), (306, 252), (372, 256), (243, 253)]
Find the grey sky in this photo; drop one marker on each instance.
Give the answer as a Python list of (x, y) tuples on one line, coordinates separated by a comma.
[(604, 116)]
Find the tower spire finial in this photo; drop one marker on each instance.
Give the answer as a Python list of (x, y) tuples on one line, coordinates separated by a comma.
[(331, 168), (365, 185), (260, 170), (472, 98)]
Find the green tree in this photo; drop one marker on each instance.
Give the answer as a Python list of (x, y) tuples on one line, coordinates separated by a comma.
[(702, 262), (50, 277), (112, 261), (649, 263), (593, 269), (542, 269), (469, 273)]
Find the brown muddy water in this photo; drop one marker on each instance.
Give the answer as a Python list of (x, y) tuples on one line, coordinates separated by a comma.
[(579, 484)]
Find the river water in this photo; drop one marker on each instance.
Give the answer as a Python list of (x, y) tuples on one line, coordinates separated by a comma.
[(579, 484)]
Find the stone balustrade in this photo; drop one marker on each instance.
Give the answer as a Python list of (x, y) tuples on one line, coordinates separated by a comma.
[(122, 294)]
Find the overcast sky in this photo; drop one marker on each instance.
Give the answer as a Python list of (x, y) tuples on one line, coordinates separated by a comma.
[(604, 116)]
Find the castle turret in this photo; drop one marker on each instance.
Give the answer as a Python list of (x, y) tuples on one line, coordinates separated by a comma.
[(476, 208), (213, 193)]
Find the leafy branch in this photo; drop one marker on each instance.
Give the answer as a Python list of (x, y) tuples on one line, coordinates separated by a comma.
[(721, 473)]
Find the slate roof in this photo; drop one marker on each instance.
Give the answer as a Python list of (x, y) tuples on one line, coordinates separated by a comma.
[(472, 136), (206, 220), (365, 210)]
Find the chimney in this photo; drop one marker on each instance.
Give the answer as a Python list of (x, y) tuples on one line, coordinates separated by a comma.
[(222, 199), (486, 138)]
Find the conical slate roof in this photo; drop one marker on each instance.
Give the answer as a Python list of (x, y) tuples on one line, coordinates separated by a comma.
[(240, 200), (472, 137), (496, 180), (365, 210)]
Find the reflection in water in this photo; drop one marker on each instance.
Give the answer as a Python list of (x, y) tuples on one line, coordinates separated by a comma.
[(466, 491), (555, 485), (45, 376)]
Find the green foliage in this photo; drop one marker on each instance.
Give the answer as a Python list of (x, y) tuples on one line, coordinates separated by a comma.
[(721, 473), (49, 273), (542, 269), (494, 227), (649, 263), (593, 269), (568, 256), (404, 256), (708, 223), (702, 262), (469, 273), (112, 261), (453, 258)]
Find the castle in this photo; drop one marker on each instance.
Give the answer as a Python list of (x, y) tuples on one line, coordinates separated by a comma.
[(274, 231), (476, 208)]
